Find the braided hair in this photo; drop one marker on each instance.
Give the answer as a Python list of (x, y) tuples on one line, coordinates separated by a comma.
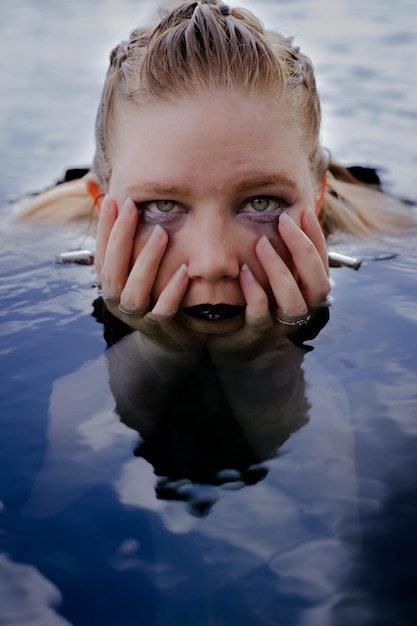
[(201, 46), (204, 45)]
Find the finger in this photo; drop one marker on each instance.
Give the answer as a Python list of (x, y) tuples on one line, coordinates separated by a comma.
[(313, 230), (107, 218), (257, 305), (116, 264), (258, 321), (313, 276), (283, 284), (170, 299), (161, 325), (137, 290), (255, 297), (163, 330)]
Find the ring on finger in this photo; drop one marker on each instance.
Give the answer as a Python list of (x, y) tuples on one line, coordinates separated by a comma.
[(132, 311), (292, 320)]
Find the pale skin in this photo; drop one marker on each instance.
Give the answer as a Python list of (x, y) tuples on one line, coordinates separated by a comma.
[(211, 200)]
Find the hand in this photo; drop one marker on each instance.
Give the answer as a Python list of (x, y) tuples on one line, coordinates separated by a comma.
[(298, 294), (126, 288)]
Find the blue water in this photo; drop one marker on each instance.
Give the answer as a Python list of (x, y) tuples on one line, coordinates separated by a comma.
[(307, 512)]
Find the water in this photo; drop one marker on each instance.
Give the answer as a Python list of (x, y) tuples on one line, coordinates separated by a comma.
[(97, 528)]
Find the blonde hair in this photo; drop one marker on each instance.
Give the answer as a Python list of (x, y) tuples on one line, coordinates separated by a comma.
[(201, 46), (205, 45)]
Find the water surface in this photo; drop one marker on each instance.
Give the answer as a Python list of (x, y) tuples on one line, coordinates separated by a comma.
[(308, 513)]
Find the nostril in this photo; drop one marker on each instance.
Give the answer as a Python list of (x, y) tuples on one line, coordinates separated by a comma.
[(213, 266)]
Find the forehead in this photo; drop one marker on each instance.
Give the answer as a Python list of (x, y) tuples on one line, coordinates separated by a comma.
[(215, 135)]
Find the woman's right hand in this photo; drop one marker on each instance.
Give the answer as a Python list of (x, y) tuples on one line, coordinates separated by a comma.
[(127, 287)]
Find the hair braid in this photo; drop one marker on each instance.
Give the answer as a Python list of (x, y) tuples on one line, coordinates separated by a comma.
[(206, 45)]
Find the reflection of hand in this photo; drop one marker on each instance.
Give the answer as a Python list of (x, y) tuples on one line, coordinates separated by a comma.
[(297, 293), (132, 286), (267, 395)]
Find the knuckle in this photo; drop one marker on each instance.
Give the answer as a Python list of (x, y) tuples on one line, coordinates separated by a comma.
[(127, 301)]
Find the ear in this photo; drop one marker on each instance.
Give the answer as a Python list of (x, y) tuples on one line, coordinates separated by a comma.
[(321, 190), (94, 189)]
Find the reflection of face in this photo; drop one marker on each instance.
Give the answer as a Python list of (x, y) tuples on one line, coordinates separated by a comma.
[(215, 172)]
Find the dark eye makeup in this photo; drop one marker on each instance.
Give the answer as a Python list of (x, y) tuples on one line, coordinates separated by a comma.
[(160, 211), (263, 204), (262, 208)]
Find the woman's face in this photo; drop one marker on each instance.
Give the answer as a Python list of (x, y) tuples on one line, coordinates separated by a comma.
[(215, 172)]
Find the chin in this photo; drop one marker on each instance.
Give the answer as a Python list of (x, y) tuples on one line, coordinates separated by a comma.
[(211, 327)]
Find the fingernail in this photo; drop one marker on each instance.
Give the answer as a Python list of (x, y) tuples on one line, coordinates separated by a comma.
[(127, 207), (103, 205), (156, 234), (310, 213), (106, 201), (129, 203), (246, 274), (245, 269), (287, 222), (266, 245), (181, 271)]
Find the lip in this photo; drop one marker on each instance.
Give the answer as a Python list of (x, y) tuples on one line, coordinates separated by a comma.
[(213, 312)]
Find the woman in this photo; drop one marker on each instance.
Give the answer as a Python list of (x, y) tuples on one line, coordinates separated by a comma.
[(213, 190)]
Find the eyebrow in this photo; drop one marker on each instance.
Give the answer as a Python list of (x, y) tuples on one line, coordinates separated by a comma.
[(184, 190), (158, 188), (265, 181)]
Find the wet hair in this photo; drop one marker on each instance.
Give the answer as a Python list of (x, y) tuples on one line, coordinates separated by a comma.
[(204, 46), (207, 46)]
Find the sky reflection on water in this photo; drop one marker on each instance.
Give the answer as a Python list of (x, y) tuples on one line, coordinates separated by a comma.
[(326, 535)]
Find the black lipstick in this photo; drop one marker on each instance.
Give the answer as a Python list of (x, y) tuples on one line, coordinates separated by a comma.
[(214, 312)]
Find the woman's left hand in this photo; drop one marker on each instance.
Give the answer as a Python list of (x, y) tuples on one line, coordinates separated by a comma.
[(298, 293)]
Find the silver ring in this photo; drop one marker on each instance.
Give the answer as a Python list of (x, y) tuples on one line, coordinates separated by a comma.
[(132, 311), (293, 321)]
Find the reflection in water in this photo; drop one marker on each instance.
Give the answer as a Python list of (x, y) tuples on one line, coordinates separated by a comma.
[(285, 550), (201, 433), (206, 423), (267, 488), (26, 596), (213, 422)]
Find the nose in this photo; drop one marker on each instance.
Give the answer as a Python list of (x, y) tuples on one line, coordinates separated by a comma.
[(213, 251)]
